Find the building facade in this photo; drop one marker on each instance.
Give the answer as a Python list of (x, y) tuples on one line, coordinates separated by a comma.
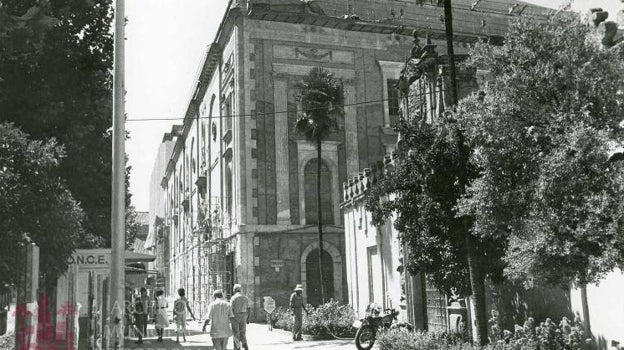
[(375, 271), (156, 244), (375, 255), (239, 185)]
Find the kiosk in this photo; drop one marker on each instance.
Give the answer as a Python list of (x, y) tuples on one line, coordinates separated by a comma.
[(83, 296)]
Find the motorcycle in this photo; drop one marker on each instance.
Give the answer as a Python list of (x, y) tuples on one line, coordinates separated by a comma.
[(372, 322)]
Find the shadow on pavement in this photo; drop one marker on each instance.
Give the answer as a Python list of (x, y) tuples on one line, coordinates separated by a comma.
[(151, 344)]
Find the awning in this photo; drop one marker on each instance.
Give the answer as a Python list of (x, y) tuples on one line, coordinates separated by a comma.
[(138, 257), (150, 240)]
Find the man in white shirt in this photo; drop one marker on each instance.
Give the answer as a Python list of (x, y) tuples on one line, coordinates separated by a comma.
[(240, 307), (219, 315)]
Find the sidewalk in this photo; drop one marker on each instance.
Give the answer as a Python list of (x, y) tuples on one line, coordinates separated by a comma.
[(258, 337)]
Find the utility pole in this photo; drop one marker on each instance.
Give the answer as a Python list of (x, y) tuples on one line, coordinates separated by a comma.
[(118, 210), (476, 277), (448, 26)]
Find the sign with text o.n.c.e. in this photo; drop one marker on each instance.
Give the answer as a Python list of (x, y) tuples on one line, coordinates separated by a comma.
[(89, 259)]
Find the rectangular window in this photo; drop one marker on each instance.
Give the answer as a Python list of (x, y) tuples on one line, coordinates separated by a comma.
[(393, 101), (375, 277), (227, 113)]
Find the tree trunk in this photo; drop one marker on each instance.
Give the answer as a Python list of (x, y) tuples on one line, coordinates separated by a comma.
[(320, 218), (477, 283)]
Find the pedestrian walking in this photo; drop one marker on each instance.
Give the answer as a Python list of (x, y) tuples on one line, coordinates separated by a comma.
[(298, 307), (219, 316), (240, 308), (180, 307), (145, 301), (138, 314), (160, 309)]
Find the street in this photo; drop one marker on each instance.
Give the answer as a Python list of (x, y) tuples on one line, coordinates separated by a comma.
[(258, 336)]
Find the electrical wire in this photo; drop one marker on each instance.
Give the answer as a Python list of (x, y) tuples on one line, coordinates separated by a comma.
[(479, 9), (246, 115)]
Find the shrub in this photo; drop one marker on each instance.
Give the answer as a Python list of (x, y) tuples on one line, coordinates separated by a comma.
[(403, 339), (282, 318), (7, 341), (548, 335), (329, 319)]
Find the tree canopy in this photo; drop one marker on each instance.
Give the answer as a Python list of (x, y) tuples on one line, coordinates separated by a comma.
[(516, 181), (36, 205), (55, 82), (321, 100), (542, 138), (541, 186), (422, 188)]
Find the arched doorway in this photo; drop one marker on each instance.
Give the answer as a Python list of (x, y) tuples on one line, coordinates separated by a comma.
[(337, 270), (313, 278)]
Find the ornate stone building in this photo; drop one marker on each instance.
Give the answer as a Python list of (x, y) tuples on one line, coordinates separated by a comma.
[(239, 185)]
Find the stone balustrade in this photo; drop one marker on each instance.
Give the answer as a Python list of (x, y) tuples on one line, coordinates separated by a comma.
[(357, 186)]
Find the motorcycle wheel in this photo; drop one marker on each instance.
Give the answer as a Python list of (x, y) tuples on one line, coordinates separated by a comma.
[(365, 337)]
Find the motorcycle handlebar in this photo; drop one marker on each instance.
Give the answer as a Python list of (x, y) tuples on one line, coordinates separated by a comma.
[(394, 313)]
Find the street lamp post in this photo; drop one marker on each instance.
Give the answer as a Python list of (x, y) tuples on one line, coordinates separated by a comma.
[(118, 205)]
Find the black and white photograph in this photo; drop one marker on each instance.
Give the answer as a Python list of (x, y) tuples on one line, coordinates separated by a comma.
[(312, 174)]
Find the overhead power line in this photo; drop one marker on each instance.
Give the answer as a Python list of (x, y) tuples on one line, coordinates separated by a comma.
[(248, 114)]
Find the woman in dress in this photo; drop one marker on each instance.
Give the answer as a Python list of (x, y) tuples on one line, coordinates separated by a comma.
[(162, 321), (180, 308)]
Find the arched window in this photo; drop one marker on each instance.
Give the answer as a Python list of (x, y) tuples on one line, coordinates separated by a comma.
[(193, 158), (313, 278), (202, 150), (311, 201), (213, 127), (228, 190)]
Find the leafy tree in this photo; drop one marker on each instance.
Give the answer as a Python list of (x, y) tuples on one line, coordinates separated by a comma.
[(36, 206), (21, 36), (421, 189), (321, 100), (132, 226), (541, 200), (55, 81), (542, 137)]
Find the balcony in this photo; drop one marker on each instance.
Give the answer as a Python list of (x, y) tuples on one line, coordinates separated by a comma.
[(201, 184), (227, 137), (227, 155)]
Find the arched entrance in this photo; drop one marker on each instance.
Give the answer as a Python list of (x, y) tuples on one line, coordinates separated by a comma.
[(331, 257), (314, 279)]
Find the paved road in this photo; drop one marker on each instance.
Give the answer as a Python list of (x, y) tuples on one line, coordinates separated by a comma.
[(258, 336)]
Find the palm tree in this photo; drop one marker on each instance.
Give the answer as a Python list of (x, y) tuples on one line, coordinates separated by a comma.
[(321, 98)]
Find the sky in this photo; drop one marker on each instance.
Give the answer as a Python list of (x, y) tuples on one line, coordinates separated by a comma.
[(165, 41)]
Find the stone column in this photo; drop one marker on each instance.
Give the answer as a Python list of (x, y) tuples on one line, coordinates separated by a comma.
[(27, 310), (281, 149), (351, 129)]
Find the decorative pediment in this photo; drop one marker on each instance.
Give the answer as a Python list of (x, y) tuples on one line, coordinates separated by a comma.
[(318, 54), (313, 53), (304, 7)]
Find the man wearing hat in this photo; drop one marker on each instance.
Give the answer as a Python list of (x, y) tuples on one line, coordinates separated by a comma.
[(240, 307), (298, 306)]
